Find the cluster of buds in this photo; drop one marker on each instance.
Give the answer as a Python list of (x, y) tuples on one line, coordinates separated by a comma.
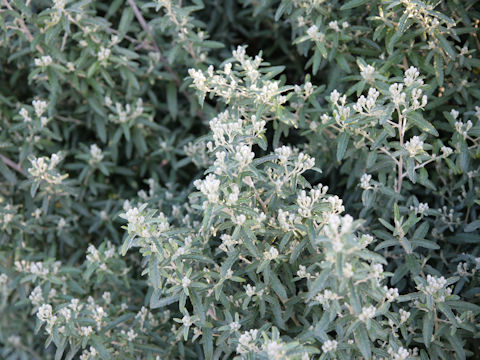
[(435, 286), (123, 115)]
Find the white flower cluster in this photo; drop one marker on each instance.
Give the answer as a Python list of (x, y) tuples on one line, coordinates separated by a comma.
[(95, 257), (302, 272), (228, 243), (400, 354), (420, 209), (89, 354), (306, 202), (463, 128), (286, 156), (446, 151), (36, 296), (209, 187), (396, 94), (436, 287), (287, 220), (270, 254), (365, 105), (244, 155), (275, 350), (342, 111), (199, 79), (391, 293), (336, 227), (314, 34), (415, 99), (325, 298), (43, 61), (123, 115), (59, 4), (43, 168), (246, 342), (377, 271), (224, 83), (96, 154), (39, 106), (404, 316), (365, 181), (329, 346), (136, 222), (103, 54), (412, 76), (367, 73), (45, 314), (37, 268), (367, 313), (414, 146)]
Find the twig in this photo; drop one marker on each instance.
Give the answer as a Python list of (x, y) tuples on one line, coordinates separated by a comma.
[(13, 165), (24, 27)]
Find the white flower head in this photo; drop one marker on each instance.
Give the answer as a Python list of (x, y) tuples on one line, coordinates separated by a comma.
[(95, 153), (367, 73), (414, 146), (43, 61), (103, 54), (329, 346), (40, 106), (271, 254), (367, 313), (411, 76), (365, 181)]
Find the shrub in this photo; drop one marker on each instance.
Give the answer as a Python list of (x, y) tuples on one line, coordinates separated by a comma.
[(272, 180)]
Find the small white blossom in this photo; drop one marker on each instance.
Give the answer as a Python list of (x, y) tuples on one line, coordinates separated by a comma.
[(85, 331), (411, 75), (271, 254), (95, 153), (314, 34), (348, 270), (367, 313), (391, 294), (367, 72), (454, 114), (209, 187), (334, 25), (187, 321), (365, 181), (40, 106), (103, 54), (396, 93), (244, 155), (404, 315), (446, 151), (131, 335), (329, 346), (250, 290), (43, 61), (235, 326), (401, 354), (414, 146), (36, 296), (186, 282), (44, 312)]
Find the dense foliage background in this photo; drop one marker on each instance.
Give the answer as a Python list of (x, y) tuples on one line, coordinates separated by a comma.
[(175, 178)]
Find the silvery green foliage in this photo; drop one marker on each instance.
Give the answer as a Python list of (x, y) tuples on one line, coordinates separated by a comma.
[(332, 219)]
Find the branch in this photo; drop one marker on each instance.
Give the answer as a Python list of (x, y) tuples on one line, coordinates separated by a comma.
[(13, 165)]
